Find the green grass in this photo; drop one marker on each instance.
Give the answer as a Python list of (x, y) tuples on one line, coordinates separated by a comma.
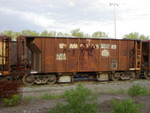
[(30, 98), (47, 96), (80, 100), (125, 106), (13, 101), (119, 91), (137, 90)]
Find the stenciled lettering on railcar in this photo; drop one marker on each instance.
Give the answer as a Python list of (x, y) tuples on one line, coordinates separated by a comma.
[(105, 46), (113, 46), (62, 45), (60, 56), (105, 53), (73, 46), (96, 46)]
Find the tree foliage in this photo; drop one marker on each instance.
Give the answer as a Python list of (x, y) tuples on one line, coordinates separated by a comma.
[(99, 34), (10, 33), (77, 33), (29, 32), (136, 35)]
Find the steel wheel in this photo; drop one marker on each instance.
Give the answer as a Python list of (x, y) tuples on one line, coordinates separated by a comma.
[(132, 75), (52, 79), (28, 79), (123, 76), (115, 76), (147, 74)]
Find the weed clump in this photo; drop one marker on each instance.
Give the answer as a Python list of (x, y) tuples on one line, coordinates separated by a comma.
[(47, 97), (14, 100), (80, 100), (125, 106), (137, 90)]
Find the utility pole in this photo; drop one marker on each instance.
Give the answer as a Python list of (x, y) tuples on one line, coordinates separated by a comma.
[(114, 4)]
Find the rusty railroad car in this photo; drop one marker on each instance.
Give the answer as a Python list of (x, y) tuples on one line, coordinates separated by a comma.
[(64, 59), (4, 55)]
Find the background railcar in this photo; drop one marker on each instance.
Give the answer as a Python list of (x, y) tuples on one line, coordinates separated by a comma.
[(145, 59), (64, 59), (4, 55)]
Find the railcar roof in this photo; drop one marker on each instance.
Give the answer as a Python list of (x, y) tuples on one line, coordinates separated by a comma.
[(72, 37), (4, 36)]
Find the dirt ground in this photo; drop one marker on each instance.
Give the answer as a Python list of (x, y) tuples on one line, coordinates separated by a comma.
[(43, 106)]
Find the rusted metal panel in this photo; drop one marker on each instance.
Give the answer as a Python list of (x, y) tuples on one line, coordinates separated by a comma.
[(49, 55), (5, 55), (93, 55), (114, 57), (61, 55), (80, 55), (123, 56), (89, 54), (73, 55), (104, 55), (131, 53)]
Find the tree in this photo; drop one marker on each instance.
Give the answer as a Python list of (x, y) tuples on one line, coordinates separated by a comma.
[(15, 35), (77, 33), (44, 33), (11, 34), (135, 35), (143, 37), (52, 33), (8, 33), (99, 34), (29, 33), (87, 36)]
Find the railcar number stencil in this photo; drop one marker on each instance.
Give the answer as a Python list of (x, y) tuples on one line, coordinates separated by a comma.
[(113, 46), (105, 53), (96, 46), (105, 46), (60, 56), (73, 46), (62, 45)]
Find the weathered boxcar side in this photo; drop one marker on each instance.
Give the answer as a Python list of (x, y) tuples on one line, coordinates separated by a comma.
[(103, 58), (145, 61), (4, 55)]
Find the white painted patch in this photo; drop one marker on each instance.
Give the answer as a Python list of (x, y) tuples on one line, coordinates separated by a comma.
[(62, 45), (113, 46), (84, 45), (60, 56), (64, 79), (73, 46), (105, 53), (97, 46), (105, 46)]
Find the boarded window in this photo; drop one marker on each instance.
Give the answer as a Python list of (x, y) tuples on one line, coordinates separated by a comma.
[(114, 64)]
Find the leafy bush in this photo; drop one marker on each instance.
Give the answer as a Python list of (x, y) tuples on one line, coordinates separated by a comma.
[(137, 90), (12, 101), (125, 106), (80, 100)]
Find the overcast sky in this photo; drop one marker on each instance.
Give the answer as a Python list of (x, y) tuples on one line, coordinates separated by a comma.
[(65, 15)]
